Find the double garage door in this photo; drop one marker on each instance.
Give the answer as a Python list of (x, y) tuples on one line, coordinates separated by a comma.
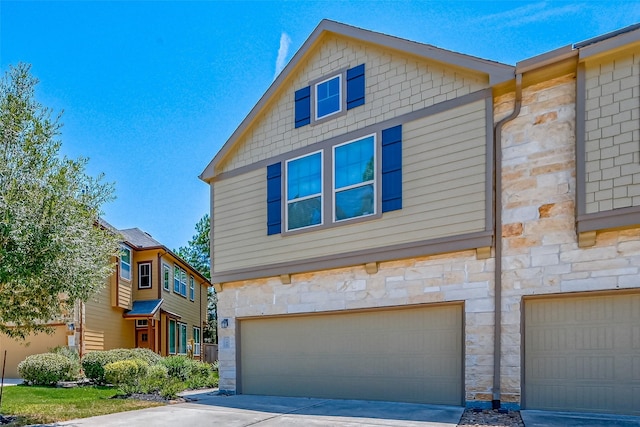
[(407, 355), (583, 354)]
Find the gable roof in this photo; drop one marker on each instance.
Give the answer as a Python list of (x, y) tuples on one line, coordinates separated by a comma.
[(496, 71), (139, 238)]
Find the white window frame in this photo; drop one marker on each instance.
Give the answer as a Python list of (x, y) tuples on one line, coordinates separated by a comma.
[(124, 276), (142, 323), (166, 276), (196, 342), (373, 182), (179, 279), (140, 265), (192, 288), (286, 192), (340, 96)]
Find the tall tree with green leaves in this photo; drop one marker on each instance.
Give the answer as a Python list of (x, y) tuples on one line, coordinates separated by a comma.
[(53, 251), (198, 254)]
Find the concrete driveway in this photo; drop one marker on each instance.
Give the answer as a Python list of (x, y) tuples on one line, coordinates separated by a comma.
[(266, 411)]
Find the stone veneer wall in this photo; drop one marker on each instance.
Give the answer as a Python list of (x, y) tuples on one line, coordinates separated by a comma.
[(448, 277), (540, 250)]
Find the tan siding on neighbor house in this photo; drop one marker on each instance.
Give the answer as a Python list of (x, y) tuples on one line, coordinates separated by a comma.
[(444, 180), (396, 83), (105, 328), (18, 350)]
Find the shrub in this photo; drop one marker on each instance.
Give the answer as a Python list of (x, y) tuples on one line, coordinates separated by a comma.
[(126, 374), (178, 367), (171, 388), (201, 375), (156, 377), (73, 357), (46, 369), (94, 362)]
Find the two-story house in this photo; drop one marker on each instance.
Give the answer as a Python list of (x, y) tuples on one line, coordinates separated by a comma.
[(154, 299), (394, 221)]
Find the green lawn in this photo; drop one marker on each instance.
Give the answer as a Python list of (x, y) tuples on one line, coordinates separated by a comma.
[(35, 405)]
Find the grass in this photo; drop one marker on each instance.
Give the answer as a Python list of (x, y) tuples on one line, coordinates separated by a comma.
[(41, 405)]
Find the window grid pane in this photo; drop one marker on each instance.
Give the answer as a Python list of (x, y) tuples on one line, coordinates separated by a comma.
[(354, 178), (304, 191), (328, 97)]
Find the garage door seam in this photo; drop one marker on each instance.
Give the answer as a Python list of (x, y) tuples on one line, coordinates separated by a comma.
[(286, 413)]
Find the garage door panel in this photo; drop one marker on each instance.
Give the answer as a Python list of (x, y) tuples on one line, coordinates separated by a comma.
[(581, 355), (411, 355)]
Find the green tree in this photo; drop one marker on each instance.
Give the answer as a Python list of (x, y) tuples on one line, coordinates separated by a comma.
[(198, 254), (53, 251)]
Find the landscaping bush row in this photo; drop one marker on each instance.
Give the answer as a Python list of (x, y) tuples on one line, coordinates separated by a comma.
[(131, 370)]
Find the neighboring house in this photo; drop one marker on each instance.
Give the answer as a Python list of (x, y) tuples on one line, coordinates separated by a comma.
[(394, 221), (153, 300)]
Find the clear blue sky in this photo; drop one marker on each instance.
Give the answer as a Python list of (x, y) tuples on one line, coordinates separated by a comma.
[(151, 90)]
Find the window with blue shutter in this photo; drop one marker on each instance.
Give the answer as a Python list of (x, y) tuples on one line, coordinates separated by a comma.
[(274, 198), (392, 169), (303, 106), (355, 86), (329, 96)]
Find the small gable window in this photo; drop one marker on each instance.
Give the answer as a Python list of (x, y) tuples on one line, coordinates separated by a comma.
[(329, 97), (166, 279), (354, 179), (304, 191)]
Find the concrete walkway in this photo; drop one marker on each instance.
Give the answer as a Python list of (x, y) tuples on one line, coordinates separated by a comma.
[(265, 411), (533, 418)]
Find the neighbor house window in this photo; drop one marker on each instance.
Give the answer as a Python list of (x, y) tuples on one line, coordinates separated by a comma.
[(196, 341), (125, 262), (328, 97), (142, 323), (144, 275), (182, 338), (180, 281), (304, 191), (354, 179), (166, 279), (172, 337), (192, 288)]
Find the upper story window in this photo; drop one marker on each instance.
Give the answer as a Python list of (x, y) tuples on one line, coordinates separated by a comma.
[(125, 262), (365, 180), (192, 288), (304, 191), (166, 279), (354, 179), (179, 281), (144, 275), (328, 97)]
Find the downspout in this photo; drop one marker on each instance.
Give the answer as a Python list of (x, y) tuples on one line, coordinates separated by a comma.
[(497, 331)]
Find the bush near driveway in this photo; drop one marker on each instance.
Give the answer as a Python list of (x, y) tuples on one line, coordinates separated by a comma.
[(126, 374), (93, 363), (46, 369)]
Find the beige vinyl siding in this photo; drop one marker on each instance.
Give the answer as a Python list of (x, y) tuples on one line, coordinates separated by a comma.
[(444, 180), (612, 132)]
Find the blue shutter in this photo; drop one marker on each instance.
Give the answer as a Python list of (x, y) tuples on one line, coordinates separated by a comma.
[(392, 169), (355, 86), (303, 106), (274, 198)]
